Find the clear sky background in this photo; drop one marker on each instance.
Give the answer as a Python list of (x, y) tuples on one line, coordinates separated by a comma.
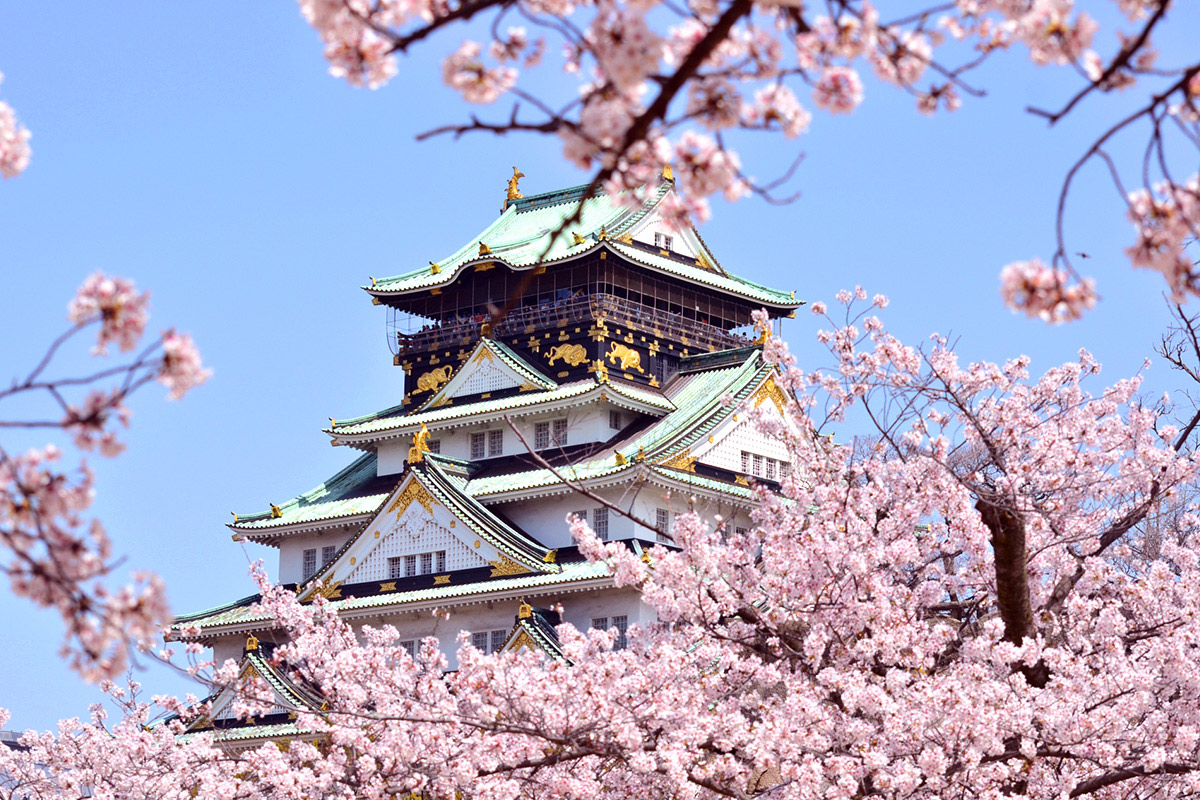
[(202, 150)]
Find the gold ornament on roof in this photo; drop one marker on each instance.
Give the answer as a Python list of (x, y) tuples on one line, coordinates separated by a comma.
[(432, 381), (420, 446), (251, 643), (514, 193), (577, 239), (626, 357), (484, 250), (573, 354), (603, 233), (524, 611), (434, 269), (551, 557), (275, 512), (621, 460), (668, 173), (372, 281)]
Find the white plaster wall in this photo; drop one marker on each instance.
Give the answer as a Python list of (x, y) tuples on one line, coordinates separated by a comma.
[(291, 552), (726, 452), (578, 609), (654, 224)]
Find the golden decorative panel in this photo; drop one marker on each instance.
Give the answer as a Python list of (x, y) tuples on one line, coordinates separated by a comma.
[(484, 354), (684, 461), (573, 354), (388, 586), (506, 566), (626, 357), (523, 639), (434, 379), (441, 580), (771, 391), (413, 492)]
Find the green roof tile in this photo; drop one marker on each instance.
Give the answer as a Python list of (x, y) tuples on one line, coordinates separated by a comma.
[(354, 490)]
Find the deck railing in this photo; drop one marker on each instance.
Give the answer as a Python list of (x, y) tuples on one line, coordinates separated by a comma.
[(615, 311)]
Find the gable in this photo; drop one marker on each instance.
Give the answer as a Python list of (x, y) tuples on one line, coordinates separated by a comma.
[(427, 514), (490, 367), (738, 434)]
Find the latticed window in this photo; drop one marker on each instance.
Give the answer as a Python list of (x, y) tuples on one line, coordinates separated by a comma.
[(600, 623), (478, 445), (310, 562), (582, 514), (662, 523), (745, 462), (496, 442), (758, 466), (560, 432), (440, 558), (426, 563), (434, 445), (479, 640), (614, 420), (541, 435), (410, 566), (600, 523), (327, 553), (785, 469), (663, 240), (395, 568), (742, 531), (498, 638), (621, 623), (409, 646), (771, 464)]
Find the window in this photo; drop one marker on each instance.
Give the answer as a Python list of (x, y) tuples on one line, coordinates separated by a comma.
[(745, 462), (310, 562), (410, 566), (600, 523), (496, 442), (662, 240), (440, 558), (614, 420), (435, 445), (758, 466), (621, 623), (785, 469), (600, 623), (327, 553), (662, 523), (477, 445), (582, 514), (488, 641), (541, 435), (395, 568), (409, 646), (771, 464), (742, 531), (560, 432), (426, 563)]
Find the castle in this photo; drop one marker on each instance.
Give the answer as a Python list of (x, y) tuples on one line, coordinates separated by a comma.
[(576, 357)]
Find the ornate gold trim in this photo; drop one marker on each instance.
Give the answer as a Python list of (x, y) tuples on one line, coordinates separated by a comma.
[(506, 566), (413, 492), (771, 391), (387, 586), (523, 639), (441, 580), (684, 461)]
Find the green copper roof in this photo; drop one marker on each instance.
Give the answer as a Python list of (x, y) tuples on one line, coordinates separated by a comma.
[(354, 490), (521, 237), (570, 573), (697, 396), (396, 418)]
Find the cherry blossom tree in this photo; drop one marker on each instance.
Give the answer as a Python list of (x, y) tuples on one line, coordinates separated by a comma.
[(951, 609), (56, 556), (657, 82)]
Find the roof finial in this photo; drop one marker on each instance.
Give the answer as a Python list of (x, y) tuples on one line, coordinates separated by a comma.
[(251, 643), (420, 446), (434, 269), (275, 512), (668, 174), (514, 193), (525, 611)]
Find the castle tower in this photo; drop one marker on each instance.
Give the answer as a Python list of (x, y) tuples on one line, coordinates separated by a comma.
[(552, 367)]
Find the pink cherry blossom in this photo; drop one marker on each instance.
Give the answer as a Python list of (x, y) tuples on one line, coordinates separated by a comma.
[(463, 72), (116, 305), (181, 369), (839, 90), (14, 142), (1040, 291), (88, 424)]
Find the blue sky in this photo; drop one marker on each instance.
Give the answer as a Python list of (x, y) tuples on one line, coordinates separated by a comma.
[(202, 150)]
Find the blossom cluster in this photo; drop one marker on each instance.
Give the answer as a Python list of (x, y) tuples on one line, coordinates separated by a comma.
[(1167, 221), (955, 609), (14, 142)]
